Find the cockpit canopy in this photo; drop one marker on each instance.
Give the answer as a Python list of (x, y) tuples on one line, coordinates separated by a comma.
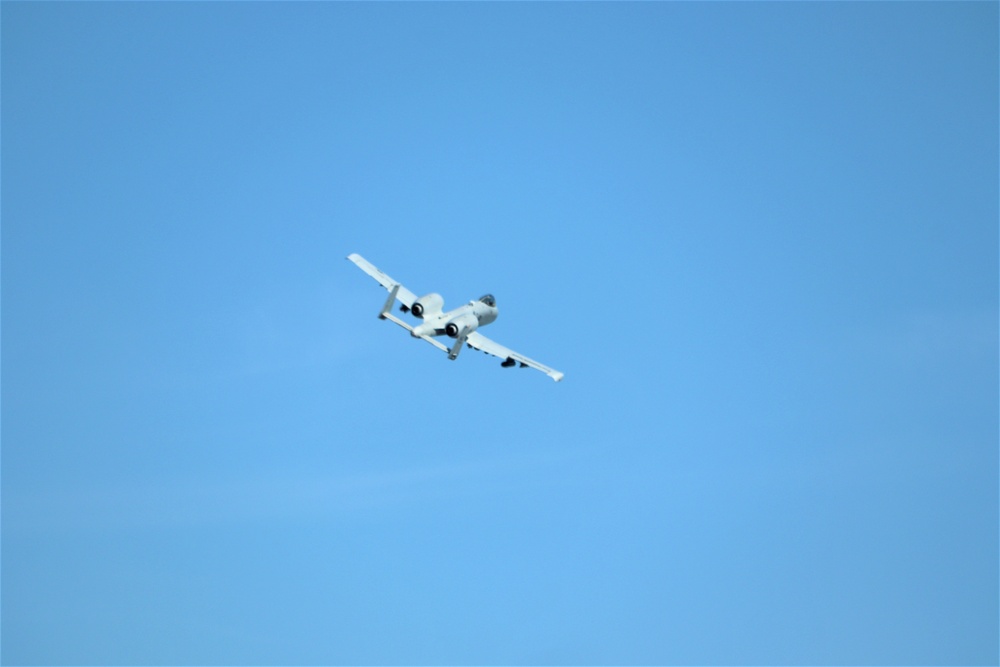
[(488, 300)]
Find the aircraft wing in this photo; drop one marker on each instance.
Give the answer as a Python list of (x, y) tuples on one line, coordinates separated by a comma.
[(481, 342), (404, 295), (396, 291)]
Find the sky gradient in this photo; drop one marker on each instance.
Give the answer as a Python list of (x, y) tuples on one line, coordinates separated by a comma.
[(760, 239)]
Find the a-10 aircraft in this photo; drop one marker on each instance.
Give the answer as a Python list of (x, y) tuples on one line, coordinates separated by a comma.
[(459, 324)]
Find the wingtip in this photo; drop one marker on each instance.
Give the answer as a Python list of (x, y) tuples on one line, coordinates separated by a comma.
[(558, 376)]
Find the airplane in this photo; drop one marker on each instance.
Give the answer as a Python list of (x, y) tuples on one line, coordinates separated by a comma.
[(461, 324)]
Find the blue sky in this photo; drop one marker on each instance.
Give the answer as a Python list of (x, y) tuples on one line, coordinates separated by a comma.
[(760, 239)]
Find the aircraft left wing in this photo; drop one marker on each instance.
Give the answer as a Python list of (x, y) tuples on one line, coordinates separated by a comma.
[(396, 291), (404, 295), (480, 342)]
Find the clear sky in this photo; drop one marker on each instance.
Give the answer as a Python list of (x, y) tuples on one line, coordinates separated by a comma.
[(760, 239)]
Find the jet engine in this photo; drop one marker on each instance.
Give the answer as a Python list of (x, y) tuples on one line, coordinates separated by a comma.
[(461, 325), (429, 304)]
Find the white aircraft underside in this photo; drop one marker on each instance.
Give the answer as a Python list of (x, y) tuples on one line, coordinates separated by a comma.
[(460, 324)]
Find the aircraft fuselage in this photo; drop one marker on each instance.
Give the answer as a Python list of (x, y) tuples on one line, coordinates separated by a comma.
[(458, 322)]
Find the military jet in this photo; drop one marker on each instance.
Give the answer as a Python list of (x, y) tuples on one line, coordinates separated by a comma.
[(460, 324)]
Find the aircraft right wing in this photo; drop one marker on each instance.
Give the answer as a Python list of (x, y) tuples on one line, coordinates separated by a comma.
[(481, 342)]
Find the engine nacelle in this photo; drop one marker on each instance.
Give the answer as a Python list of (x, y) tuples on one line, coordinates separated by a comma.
[(427, 305), (461, 325)]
